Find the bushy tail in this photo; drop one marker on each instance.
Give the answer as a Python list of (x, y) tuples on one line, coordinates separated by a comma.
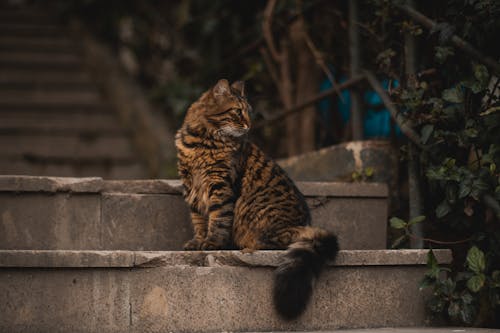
[(293, 279)]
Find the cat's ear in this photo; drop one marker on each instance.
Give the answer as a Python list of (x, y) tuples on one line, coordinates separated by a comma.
[(239, 86), (221, 88)]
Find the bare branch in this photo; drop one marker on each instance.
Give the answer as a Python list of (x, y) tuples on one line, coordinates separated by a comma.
[(455, 40), (272, 70), (403, 123), (344, 85), (267, 30), (492, 203), (318, 57)]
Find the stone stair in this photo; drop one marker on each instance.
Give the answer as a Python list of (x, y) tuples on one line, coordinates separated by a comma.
[(94, 255), (53, 118)]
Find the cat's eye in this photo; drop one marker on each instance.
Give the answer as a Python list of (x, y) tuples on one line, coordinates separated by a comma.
[(239, 112)]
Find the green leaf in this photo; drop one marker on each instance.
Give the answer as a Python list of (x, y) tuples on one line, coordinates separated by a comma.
[(416, 219), (443, 52), (475, 260), (426, 133), (426, 282), (451, 192), (471, 132), (432, 264), (398, 241), (481, 74), (443, 209), (453, 95), (436, 304), (464, 189), (476, 282), (448, 287), (467, 298), (490, 111), (495, 279), (397, 223), (454, 309), (369, 172), (450, 162), (467, 314)]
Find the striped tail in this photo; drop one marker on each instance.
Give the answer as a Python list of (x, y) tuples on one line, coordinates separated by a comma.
[(303, 262)]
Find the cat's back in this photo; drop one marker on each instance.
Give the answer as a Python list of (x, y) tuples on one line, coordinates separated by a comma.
[(265, 187)]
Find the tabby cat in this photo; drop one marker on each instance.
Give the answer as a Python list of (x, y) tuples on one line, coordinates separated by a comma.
[(241, 199)]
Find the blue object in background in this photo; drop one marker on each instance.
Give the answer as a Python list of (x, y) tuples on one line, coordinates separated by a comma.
[(376, 120)]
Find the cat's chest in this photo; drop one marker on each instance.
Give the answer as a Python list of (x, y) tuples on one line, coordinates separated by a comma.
[(206, 168)]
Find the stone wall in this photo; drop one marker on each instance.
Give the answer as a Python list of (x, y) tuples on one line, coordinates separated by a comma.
[(126, 291), (93, 214)]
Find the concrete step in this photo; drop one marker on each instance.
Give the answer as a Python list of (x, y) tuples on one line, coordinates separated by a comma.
[(48, 80), (85, 214), (38, 44), (48, 121), (108, 168), (36, 106), (72, 145), (27, 28), (25, 59), (15, 15), (15, 98), (127, 291), (20, 75)]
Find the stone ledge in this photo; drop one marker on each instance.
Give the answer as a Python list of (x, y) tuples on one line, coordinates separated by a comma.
[(153, 186), (144, 259), (343, 189), (49, 213), (16, 183), (50, 184)]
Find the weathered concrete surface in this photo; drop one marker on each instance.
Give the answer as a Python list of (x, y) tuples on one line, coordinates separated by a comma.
[(151, 214), (186, 294), (359, 224), (150, 186), (57, 221), (50, 184), (144, 222), (145, 259), (338, 162)]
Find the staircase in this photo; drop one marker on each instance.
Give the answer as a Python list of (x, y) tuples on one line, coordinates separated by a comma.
[(54, 121), (94, 255)]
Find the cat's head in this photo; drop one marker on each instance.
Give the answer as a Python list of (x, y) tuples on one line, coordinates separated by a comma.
[(224, 109)]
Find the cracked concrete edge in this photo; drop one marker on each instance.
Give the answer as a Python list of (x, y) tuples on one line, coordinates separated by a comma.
[(343, 189), (152, 186), (13, 183), (16, 183), (147, 259)]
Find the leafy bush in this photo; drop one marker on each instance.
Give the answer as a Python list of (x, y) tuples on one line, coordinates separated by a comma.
[(456, 110)]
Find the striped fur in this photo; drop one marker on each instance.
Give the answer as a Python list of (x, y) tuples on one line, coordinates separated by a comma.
[(241, 199)]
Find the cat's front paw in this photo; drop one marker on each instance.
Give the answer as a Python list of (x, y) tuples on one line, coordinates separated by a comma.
[(209, 245), (193, 245)]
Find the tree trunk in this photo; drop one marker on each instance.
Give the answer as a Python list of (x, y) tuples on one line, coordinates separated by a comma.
[(301, 126)]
